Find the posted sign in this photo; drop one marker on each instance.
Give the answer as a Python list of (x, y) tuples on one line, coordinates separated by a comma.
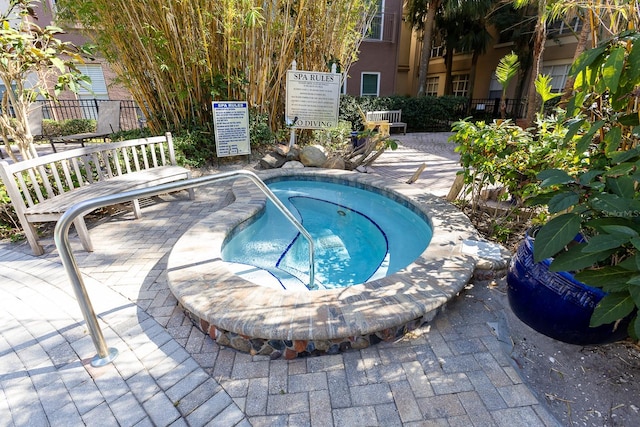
[(231, 126), (313, 98)]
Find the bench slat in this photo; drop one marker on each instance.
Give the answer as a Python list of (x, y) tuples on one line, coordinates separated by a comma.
[(116, 160), (67, 175), (56, 177), (127, 160), (44, 176), (36, 186), (136, 162), (24, 189), (144, 148), (154, 159)]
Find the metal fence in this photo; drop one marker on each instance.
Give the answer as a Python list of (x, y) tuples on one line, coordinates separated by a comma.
[(131, 116), (488, 109)]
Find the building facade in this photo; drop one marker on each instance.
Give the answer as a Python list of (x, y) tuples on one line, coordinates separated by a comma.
[(402, 49)]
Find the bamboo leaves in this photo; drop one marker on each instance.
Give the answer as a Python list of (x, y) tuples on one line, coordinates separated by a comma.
[(177, 56)]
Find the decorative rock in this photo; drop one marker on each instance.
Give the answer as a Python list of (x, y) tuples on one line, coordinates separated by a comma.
[(290, 354), (291, 153), (294, 153), (293, 164), (272, 160), (222, 339), (204, 325), (282, 149), (323, 345), (359, 343), (240, 343), (313, 155), (299, 345), (334, 162)]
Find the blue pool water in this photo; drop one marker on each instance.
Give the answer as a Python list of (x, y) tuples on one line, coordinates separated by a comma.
[(358, 235)]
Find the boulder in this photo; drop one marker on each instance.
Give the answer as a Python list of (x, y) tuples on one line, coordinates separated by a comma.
[(272, 160), (313, 155), (293, 164), (334, 162), (291, 153)]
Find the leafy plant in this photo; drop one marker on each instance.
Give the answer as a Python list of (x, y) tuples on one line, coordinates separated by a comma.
[(506, 70), (30, 51), (599, 199), (502, 155)]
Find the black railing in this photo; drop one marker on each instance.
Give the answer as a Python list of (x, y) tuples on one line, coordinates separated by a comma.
[(131, 116), (489, 109)]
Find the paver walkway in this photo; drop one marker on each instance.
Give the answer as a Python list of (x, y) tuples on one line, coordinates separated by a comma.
[(453, 372)]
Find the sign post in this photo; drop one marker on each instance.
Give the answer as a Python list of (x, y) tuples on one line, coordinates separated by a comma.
[(313, 99), (231, 126)]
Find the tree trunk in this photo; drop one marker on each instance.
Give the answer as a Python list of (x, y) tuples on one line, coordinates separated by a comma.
[(540, 35), (580, 48), (448, 65), (427, 40), (472, 73)]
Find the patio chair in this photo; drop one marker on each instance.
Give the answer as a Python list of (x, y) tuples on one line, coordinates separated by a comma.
[(108, 123), (34, 121)]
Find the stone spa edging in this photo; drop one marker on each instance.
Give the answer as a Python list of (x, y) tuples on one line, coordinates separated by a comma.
[(261, 320)]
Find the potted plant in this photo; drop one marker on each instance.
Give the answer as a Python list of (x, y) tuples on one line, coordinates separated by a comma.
[(594, 204)]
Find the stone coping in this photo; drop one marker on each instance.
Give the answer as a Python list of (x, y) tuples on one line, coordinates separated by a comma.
[(225, 305)]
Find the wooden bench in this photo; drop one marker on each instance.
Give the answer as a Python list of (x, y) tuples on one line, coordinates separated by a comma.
[(42, 189), (393, 117)]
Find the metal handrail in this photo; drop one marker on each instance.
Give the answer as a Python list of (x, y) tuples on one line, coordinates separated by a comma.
[(61, 237)]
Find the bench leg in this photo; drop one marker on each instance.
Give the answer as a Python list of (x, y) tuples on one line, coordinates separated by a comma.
[(83, 233), (192, 193), (137, 213), (32, 237)]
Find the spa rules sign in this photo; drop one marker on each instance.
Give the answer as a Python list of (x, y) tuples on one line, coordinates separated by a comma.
[(231, 126), (313, 99)]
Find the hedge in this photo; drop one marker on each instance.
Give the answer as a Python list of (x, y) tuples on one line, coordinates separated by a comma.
[(426, 113)]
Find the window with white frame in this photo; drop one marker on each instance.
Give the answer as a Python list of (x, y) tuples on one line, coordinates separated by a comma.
[(460, 85), (98, 86), (560, 27), (558, 75), (375, 30), (370, 84), (431, 86)]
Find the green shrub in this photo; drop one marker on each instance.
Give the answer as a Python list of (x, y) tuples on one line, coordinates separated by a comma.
[(259, 131), (194, 148), (67, 127), (334, 139), (425, 113), (124, 135)]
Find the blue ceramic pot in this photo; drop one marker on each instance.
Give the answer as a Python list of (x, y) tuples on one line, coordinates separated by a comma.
[(555, 304)]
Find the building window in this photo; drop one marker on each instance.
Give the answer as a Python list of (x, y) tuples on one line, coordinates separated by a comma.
[(370, 85), (562, 28), (460, 85), (558, 75), (431, 86), (495, 88), (375, 30), (98, 86)]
